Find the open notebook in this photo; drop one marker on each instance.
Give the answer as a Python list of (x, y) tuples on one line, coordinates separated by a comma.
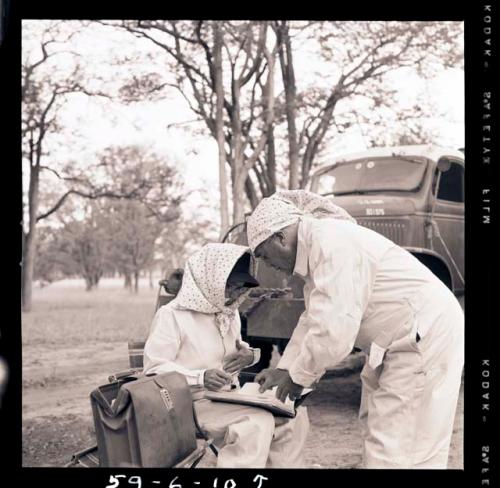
[(249, 394)]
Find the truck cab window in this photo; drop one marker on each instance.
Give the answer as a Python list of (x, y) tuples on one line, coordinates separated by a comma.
[(451, 185)]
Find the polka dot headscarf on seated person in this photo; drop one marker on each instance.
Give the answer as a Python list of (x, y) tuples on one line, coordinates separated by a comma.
[(204, 282)]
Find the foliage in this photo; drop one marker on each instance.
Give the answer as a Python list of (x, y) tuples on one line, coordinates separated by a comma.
[(268, 136)]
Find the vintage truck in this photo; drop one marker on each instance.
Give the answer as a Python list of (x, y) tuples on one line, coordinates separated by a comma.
[(414, 195)]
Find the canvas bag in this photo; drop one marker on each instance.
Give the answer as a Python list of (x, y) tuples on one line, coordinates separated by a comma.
[(144, 422)]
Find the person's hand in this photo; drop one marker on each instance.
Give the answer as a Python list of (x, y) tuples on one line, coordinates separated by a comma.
[(239, 359), (215, 379), (268, 378)]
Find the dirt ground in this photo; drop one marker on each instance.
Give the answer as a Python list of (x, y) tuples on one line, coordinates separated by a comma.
[(74, 341)]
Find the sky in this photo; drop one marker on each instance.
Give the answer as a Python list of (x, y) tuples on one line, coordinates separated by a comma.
[(94, 123)]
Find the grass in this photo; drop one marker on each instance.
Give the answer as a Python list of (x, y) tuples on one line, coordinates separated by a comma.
[(64, 314)]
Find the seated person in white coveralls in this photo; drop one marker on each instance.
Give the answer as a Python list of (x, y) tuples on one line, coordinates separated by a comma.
[(363, 290), (198, 334)]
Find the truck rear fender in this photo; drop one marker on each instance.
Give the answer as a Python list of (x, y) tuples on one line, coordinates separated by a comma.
[(435, 263)]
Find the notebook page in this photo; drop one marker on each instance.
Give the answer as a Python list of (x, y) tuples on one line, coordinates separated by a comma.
[(253, 390)]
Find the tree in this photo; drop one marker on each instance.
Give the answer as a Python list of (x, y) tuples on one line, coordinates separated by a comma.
[(44, 91), (360, 55), (39, 97), (221, 65), (180, 239), (115, 235), (285, 51), (226, 69), (408, 127), (88, 244), (51, 73), (54, 260), (155, 193), (133, 238), (219, 126)]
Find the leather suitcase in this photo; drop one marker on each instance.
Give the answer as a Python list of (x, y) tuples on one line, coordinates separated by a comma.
[(144, 422)]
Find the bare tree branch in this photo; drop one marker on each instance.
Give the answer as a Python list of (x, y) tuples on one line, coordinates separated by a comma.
[(163, 28), (73, 179), (261, 44), (174, 53)]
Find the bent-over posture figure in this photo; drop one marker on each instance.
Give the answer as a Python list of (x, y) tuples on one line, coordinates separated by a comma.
[(363, 290)]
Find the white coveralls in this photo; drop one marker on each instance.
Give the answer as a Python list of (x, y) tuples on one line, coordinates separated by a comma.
[(191, 342), (363, 290)]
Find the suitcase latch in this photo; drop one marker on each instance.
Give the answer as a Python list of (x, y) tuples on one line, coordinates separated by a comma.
[(167, 400)]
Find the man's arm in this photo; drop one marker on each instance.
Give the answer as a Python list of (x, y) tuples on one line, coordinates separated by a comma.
[(335, 308), (293, 347)]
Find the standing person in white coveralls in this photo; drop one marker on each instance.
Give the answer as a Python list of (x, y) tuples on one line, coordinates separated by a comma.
[(363, 290), (198, 334)]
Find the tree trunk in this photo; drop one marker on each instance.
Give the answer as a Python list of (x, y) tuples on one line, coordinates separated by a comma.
[(251, 193), (95, 279), (28, 262), (151, 286), (136, 281), (219, 128), (239, 196), (127, 284), (88, 283), (24, 237), (243, 165), (238, 174), (288, 74), (271, 162), (314, 142)]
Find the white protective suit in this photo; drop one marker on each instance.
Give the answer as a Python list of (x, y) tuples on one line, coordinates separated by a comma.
[(194, 333), (363, 290)]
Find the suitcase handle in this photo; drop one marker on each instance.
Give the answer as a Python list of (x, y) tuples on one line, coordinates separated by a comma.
[(100, 397), (122, 375)]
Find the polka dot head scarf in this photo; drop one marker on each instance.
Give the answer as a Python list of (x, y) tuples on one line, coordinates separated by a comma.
[(204, 282), (284, 208)]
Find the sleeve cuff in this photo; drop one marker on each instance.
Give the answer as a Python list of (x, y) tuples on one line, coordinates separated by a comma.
[(302, 377), (256, 355), (284, 363), (201, 378)]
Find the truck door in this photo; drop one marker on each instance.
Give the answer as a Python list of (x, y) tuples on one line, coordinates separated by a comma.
[(449, 217)]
